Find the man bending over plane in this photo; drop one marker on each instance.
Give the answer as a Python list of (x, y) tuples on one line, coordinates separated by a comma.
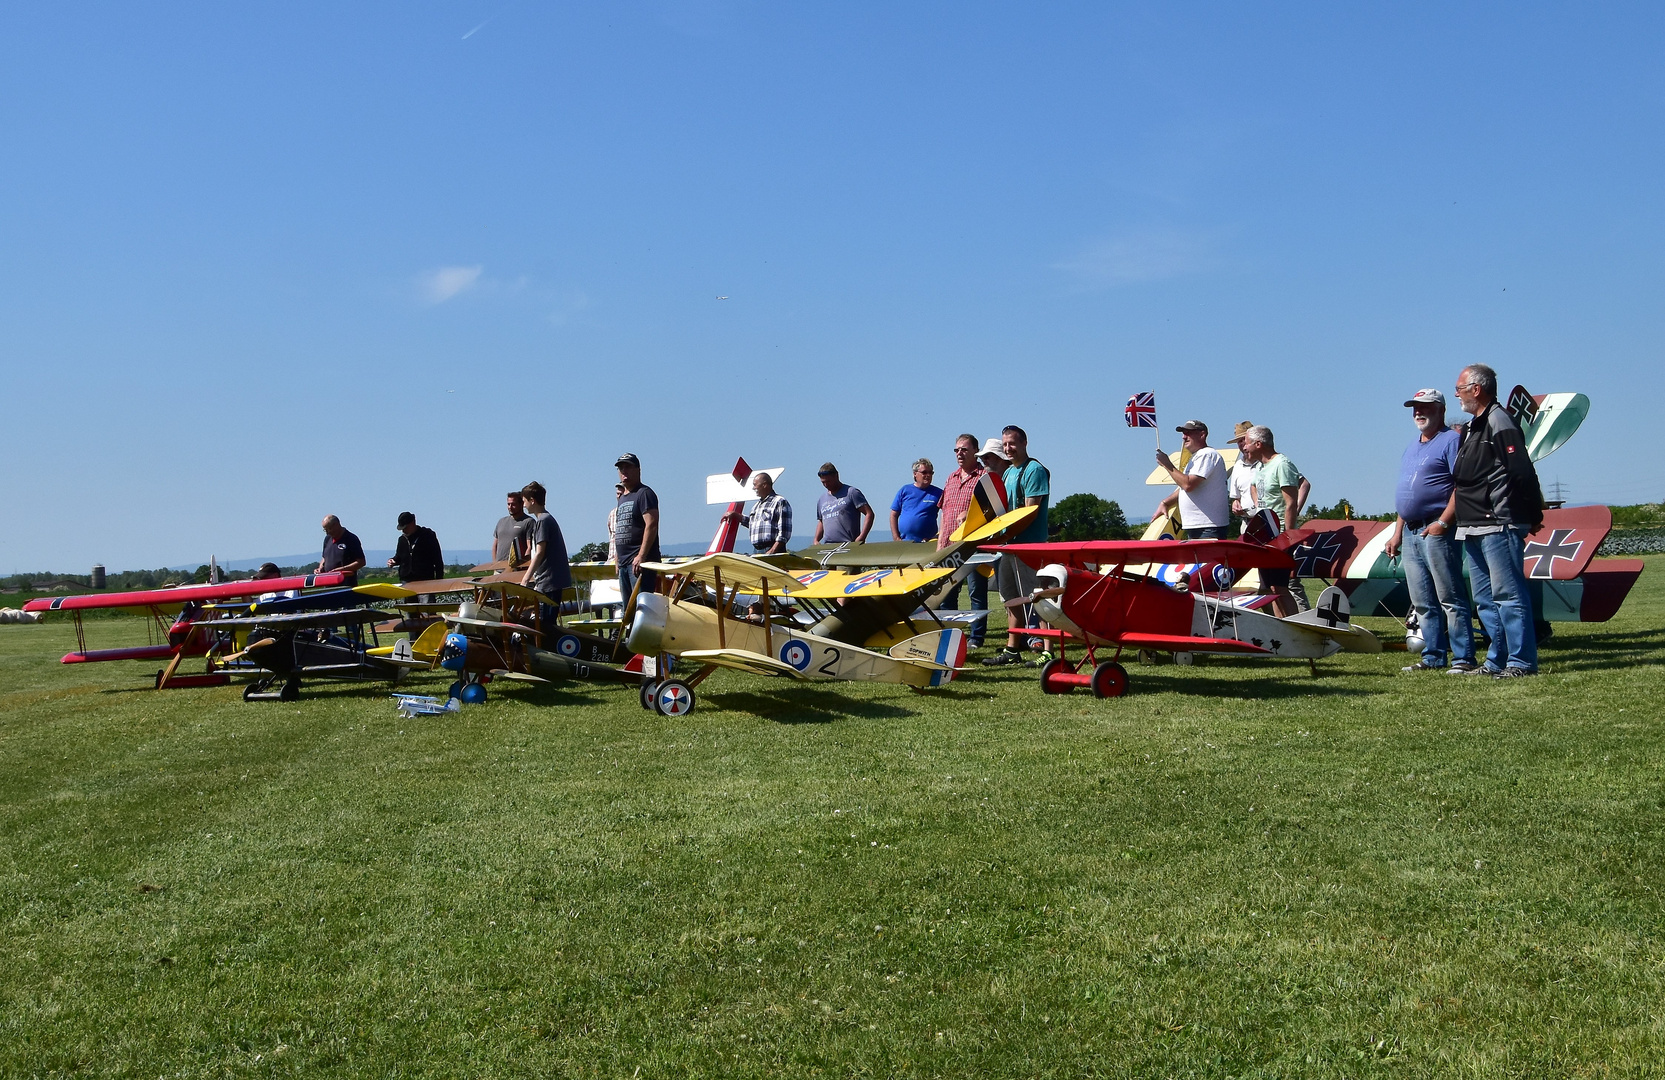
[(342, 551)]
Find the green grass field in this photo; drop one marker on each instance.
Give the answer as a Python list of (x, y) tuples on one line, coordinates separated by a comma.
[(1239, 870)]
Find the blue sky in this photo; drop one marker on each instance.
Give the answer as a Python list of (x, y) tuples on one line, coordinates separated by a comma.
[(267, 262)]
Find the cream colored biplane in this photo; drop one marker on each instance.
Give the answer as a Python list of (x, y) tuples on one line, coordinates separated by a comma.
[(699, 624)]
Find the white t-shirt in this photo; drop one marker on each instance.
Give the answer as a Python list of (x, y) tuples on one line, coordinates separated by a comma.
[(1241, 480), (1207, 505)]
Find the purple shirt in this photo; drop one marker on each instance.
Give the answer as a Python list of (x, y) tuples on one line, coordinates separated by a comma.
[(1426, 477)]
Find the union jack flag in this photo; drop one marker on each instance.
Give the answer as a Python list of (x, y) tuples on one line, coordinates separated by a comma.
[(1141, 409)]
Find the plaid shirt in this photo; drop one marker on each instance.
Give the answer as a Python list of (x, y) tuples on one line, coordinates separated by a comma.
[(770, 522), (956, 500)]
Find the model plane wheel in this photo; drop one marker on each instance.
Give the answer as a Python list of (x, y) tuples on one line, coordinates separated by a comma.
[(473, 694), (1048, 670), (1109, 680), (673, 697), (647, 694), (291, 691), (455, 691), (257, 687)]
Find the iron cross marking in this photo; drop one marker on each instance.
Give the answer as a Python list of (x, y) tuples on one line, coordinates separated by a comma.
[(1546, 552), (1332, 616), (1321, 550)]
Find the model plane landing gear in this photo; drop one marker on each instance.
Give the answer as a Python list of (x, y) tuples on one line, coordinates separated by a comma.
[(1050, 683), (259, 691), (1109, 680), (673, 697), (649, 687)]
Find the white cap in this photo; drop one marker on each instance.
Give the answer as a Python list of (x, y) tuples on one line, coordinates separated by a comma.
[(994, 446)]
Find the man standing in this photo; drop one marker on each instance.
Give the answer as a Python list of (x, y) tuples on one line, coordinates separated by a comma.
[(342, 551), (842, 515), (1204, 503), (1496, 503), (418, 556), (994, 459), (1241, 481), (1277, 487), (770, 522), (913, 513), (958, 491), (1433, 558), (635, 530), (547, 570), (512, 538), (1028, 483)]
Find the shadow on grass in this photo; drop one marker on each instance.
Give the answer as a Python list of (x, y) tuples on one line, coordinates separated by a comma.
[(801, 705), (1604, 651)]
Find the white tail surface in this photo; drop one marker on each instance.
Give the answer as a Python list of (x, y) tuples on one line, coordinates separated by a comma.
[(943, 647)]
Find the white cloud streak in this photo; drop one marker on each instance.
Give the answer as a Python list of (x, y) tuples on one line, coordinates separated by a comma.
[(448, 282), (1146, 255)]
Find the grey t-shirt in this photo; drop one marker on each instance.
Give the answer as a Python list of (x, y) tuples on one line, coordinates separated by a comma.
[(512, 534), (628, 527), (840, 514), (554, 573)]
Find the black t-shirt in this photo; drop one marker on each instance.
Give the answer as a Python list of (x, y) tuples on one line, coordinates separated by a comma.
[(628, 528), (554, 573), (338, 553)]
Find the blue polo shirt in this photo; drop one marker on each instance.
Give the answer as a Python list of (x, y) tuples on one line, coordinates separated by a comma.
[(1426, 476), (916, 510)]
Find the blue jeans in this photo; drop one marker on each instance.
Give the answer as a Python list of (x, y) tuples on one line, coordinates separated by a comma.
[(978, 586), (1209, 532), (1501, 597), (627, 580), (1434, 576)]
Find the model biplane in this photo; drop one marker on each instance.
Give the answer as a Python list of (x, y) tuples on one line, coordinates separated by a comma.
[(876, 595), (1568, 583), (699, 624), (181, 622), (491, 634), (1086, 593)]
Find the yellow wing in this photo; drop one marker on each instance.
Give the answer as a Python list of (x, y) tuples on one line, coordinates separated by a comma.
[(1011, 519), (736, 570), (837, 584)]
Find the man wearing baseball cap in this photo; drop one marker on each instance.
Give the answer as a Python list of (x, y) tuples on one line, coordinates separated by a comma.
[(1422, 536), (1204, 505), (635, 530)]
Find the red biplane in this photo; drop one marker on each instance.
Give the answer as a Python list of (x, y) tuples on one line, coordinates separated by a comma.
[(176, 623), (1086, 592)]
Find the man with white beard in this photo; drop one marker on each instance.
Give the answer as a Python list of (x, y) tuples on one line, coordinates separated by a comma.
[(1422, 531)]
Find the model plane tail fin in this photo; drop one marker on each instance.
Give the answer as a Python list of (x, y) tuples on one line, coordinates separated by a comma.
[(941, 650)]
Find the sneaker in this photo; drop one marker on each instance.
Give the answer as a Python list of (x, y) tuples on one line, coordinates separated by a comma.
[(1462, 667), (1487, 669), (1513, 673), (1423, 665), (1003, 658)]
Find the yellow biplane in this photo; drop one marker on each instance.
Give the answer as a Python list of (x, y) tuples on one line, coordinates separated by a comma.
[(698, 622)]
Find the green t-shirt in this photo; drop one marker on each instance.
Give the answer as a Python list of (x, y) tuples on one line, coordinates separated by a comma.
[(1271, 477), (1029, 482)]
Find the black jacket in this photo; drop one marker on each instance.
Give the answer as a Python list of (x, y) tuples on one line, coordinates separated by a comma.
[(419, 557), (1497, 483)]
